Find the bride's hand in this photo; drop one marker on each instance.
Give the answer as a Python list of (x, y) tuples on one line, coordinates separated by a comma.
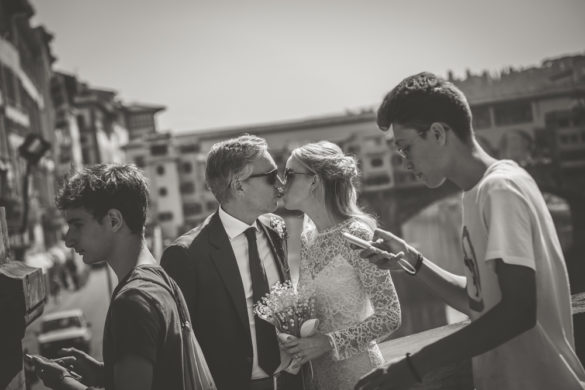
[(305, 349)]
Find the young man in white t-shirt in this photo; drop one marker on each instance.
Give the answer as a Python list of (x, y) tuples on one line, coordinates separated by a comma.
[(515, 289)]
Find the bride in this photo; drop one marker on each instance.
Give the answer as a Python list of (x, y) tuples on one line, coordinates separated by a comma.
[(356, 303)]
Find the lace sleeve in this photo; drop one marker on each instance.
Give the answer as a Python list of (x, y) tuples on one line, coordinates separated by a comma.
[(380, 289), (304, 276)]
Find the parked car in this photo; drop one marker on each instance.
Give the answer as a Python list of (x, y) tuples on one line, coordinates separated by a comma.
[(64, 329)]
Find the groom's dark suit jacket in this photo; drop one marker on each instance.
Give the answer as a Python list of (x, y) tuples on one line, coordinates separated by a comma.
[(204, 266)]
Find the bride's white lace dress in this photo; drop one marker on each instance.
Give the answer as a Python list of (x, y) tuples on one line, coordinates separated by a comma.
[(356, 303)]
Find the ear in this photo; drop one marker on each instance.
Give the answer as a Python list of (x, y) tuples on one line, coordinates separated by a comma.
[(315, 182), (236, 187), (237, 184), (115, 219), (438, 131)]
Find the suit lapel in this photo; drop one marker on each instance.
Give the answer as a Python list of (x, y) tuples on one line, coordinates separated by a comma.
[(278, 251), (224, 259)]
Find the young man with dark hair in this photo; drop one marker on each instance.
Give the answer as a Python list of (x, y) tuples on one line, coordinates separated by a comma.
[(105, 208), (515, 289)]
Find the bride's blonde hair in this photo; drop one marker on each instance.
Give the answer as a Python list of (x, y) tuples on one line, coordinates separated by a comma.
[(338, 173)]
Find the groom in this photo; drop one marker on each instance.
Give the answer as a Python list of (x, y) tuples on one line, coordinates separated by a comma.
[(227, 263)]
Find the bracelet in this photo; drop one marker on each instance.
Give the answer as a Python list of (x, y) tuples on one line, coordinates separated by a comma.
[(412, 369), (418, 263)]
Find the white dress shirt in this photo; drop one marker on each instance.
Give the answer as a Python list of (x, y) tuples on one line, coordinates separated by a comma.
[(235, 230)]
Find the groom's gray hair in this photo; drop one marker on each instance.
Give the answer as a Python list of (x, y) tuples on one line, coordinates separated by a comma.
[(229, 158)]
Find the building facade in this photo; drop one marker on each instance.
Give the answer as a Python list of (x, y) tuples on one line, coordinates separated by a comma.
[(25, 110)]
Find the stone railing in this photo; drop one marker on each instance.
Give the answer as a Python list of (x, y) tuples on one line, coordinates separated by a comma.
[(459, 376)]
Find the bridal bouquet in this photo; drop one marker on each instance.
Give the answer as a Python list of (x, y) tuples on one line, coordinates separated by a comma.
[(291, 311)]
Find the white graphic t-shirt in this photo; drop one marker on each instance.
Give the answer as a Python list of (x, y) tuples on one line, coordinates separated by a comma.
[(505, 217)]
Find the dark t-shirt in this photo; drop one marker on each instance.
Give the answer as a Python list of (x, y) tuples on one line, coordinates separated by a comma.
[(143, 320)]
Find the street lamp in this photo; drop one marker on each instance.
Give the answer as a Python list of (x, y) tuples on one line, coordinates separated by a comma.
[(32, 149)]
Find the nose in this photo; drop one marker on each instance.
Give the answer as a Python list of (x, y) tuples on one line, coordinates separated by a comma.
[(280, 181), (67, 239)]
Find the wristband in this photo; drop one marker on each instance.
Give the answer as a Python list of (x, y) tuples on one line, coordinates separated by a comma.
[(413, 370), (418, 263)]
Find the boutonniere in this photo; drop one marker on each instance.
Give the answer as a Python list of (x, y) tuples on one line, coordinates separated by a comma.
[(278, 225)]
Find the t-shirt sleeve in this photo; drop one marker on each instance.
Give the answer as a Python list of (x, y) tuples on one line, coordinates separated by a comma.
[(509, 222), (136, 326)]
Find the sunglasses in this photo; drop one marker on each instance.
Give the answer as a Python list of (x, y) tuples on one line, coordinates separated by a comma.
[(288, 173), (270, 176)]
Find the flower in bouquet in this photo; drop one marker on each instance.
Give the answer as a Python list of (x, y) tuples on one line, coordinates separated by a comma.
[(292, 312), (288, 308)]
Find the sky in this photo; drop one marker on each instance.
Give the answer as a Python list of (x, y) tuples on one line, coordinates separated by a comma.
[(219, 63)]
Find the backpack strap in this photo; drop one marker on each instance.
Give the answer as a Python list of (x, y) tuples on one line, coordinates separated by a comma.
[(175, 292)]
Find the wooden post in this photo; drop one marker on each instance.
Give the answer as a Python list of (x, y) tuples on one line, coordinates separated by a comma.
[(23, 295)]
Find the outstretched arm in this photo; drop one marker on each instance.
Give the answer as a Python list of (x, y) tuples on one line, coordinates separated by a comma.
[(449, 286)]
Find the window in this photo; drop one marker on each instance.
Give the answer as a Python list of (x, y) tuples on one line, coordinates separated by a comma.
[(573, 155), (563, 122), (481, 117), (377, 180), (512, 113), (187, 167), (187, 187), (354, 149), (141, 120), (165, 217), (377, 162), (159, 150), (139, 161), (190, 148), (160, 170), (192, 208), (162, 191), (80, 122)]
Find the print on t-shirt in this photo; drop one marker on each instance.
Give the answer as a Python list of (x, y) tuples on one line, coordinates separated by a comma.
[(473, 283)]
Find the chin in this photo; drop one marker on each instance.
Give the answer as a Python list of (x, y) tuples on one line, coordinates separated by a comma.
[(434, 183)]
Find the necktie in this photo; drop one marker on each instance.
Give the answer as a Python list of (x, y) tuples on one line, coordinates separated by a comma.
[(268, 352)]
